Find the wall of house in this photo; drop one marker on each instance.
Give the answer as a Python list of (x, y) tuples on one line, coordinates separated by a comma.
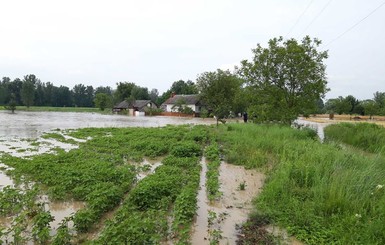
[(193, 107)]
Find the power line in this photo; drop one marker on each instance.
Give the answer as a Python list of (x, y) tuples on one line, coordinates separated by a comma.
[(356, 24), (291, 29), (316, 17)]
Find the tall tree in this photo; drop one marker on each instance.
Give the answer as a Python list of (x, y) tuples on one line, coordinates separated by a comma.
[(379, 99), (79, 95), (140, 93), (12, 103), (154, 95), (286, 78), (28, 92), (218, 90), (123, 91), (370, 107), (178, 87), (102, 101), (338, 105), (62, 96)]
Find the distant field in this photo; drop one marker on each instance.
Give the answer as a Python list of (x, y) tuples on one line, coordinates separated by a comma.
[(324, 118), (59, 109)]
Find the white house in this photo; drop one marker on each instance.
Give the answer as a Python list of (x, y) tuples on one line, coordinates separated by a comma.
[(191, 100)]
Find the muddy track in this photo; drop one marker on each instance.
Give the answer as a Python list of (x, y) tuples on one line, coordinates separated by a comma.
[(216, 221)]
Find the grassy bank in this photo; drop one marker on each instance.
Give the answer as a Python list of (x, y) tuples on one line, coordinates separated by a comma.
[(60, 109), (366, 136), (318, 192)]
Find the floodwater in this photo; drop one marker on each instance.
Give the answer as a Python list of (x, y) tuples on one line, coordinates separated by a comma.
[(231, 209), (24, 124), (319, 127)]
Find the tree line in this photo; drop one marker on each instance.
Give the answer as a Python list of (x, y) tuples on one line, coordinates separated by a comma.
[(280, 82)]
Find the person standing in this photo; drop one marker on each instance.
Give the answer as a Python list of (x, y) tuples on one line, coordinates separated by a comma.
[(245, 117)]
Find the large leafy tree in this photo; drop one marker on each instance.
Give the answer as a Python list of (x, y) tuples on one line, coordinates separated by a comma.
[(338, 105), (28, 90), (370, 107), (286, 78), (178, 87), (123, 91), (218, 91), (102, 101)]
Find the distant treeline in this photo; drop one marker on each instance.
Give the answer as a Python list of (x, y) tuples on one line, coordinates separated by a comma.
[(30, 91), (351, 105)]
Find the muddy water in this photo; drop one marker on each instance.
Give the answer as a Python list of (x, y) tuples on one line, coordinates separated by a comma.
[(60, 210), (5, 180), (31, 124), (200, 235), (319, 127), (232, 208)]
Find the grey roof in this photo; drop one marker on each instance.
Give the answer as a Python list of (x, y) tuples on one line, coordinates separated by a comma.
[(122, 105), (137, 104), (190, 99), (141, 103)]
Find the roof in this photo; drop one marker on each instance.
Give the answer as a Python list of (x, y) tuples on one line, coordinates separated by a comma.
[(137, 104), (190, 99), (122, 105), (141, 103)]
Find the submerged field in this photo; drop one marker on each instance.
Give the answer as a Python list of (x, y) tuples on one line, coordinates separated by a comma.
[(140, 186)]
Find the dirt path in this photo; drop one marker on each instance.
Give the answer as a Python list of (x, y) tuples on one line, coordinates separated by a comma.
[(217, 221)]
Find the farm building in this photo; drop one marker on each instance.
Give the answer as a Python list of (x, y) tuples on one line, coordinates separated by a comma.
[(192, 101), (137, 106)]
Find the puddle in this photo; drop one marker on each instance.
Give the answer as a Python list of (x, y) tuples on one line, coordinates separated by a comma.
[(319, 127), (233, 207), (147, 167), (5, 180), (60, 210), (199, 235)]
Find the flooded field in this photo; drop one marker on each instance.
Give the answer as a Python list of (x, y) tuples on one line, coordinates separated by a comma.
[(22, 135), (24, 124)]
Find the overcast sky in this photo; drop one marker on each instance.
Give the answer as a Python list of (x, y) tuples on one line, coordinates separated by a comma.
[(154, 43)]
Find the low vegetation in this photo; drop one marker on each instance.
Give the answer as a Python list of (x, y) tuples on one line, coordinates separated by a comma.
[(101, 173), (366, 136), (320, 193), (212, 174)]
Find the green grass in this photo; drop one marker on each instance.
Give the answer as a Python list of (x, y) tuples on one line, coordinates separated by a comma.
[(366, 136), (60, 109), (318, 192)]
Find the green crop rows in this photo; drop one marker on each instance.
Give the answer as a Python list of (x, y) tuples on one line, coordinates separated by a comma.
[(321, 193)]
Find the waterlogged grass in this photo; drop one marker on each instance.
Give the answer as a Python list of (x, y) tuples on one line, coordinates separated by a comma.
[(366, 136), (59, 109), (212, 174), (318, 192), (100, 173)]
